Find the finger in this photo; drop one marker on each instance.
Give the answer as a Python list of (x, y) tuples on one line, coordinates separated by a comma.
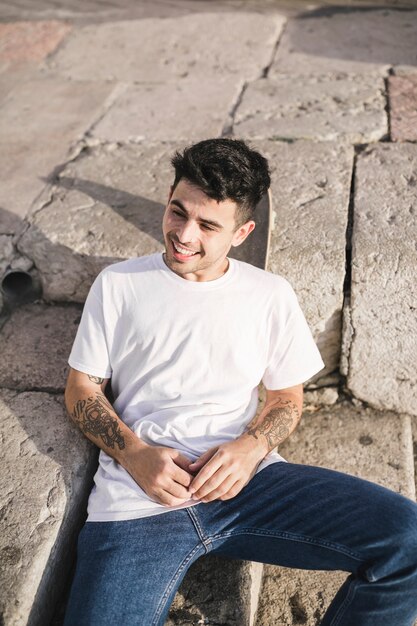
[(233, 491), (205, 473), (167, 499), (202, 460), (177, 490), (179, 471), (221, 490), (213, 483)]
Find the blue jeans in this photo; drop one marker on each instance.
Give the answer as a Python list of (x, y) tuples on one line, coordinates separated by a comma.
[(291, 515)]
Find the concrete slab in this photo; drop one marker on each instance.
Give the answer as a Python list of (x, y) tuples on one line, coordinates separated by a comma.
[(154, 50), (47, 116), (381, 322), (107, 206), (308, 239), (373, 445), (29, 42), (347, 40), (186, 111), (47, 467), (403, 107), (36, 342), (332, 107), (215, 590)]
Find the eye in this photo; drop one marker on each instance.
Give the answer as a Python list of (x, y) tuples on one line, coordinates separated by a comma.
[(177, 213), (207, 227)]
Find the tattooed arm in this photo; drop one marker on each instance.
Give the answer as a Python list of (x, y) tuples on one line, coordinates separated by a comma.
[(161, 472), (224, 470), (279, 418)]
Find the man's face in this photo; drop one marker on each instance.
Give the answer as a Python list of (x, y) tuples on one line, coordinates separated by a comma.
[(199, 232)]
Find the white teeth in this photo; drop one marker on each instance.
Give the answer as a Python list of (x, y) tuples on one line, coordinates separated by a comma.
[(182, 250)]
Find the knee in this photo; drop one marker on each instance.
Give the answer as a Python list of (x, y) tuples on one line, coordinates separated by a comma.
[(402, 534)]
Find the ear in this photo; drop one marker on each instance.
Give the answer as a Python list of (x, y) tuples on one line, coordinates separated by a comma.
[(242, 232)]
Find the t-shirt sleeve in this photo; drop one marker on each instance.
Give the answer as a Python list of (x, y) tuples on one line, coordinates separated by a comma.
[(90, 353), (293, 356)]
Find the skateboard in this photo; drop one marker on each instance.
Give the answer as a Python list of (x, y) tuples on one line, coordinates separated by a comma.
[(255, 248)]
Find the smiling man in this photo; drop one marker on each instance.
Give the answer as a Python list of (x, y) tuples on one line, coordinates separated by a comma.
[(187, 466)]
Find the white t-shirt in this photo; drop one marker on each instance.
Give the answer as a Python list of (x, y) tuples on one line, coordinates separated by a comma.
[(185, 359)]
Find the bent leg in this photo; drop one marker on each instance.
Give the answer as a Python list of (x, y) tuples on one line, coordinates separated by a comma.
[(127, 572), (312, 518)]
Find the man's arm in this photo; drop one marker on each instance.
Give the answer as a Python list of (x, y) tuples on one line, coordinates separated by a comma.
[(224, 470), (279, 418), (161, 472)]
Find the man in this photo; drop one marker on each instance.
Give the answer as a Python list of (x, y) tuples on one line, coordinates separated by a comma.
[(186, 467)]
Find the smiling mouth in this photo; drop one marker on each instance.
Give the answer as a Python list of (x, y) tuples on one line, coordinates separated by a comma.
[(181, 252)]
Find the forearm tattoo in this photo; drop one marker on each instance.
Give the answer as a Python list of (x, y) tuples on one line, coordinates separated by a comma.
[(277, 424), (95, 379), (94, 416)]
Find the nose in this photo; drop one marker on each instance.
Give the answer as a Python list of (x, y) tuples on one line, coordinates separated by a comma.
[(188, 232)]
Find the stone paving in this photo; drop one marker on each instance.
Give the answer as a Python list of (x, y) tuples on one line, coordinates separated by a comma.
[(94, 99)]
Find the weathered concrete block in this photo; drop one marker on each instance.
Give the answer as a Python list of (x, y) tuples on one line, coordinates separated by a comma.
[(56, 113), (36, 342), (360, 41), (381, 322), (107, 207), (360, 441), (6, 253), (29, 42), (187, 111), (351, 108), (321, 397), (308, 238), (155, 50), (217, 590), (403, 107), (47, 467)]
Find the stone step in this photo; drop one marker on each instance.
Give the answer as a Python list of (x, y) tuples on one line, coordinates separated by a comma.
[(308, 236), (326, 107), (172, 49), (380, 322), (47, 468), (57, 113), (344, 41)]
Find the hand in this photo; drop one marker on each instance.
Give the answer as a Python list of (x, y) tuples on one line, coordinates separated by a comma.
[(224, 470), (161, 472)]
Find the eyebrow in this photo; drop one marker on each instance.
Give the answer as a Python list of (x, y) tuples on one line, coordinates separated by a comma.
[(180, 205)]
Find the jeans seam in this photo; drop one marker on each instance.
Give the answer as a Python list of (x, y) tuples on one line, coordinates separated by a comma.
[(346, 602), (284, 535), (171, 583), (206, 541)]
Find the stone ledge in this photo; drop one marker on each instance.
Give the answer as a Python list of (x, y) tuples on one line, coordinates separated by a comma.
[(308, 238), (348, 108), (354, 41), (152, 50), (46, 476), (381, 322)]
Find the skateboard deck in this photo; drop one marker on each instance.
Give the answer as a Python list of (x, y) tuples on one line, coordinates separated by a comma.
[(255, 248)]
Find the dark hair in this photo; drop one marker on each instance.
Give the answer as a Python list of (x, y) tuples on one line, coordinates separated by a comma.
[(225, 169)]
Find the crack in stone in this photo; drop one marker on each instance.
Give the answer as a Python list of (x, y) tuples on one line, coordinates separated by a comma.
[(228, 127), (280, 34), (349, 329)]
